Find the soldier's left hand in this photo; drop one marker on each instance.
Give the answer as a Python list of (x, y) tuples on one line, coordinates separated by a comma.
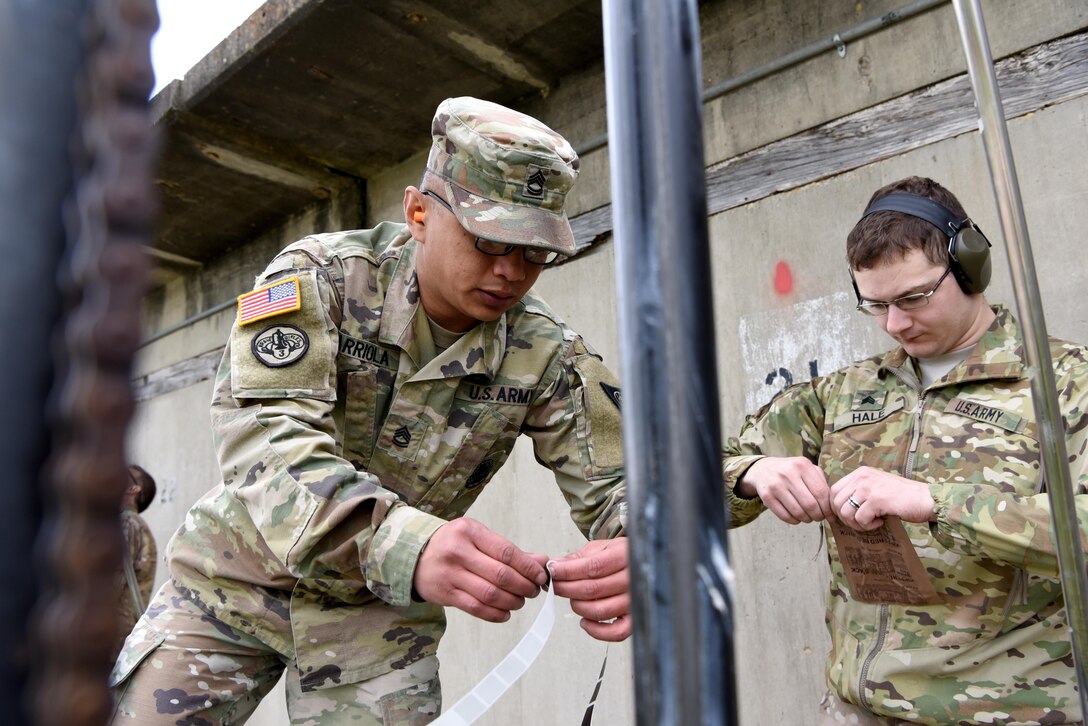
[(595, 580), (866, 495), (467, 566)]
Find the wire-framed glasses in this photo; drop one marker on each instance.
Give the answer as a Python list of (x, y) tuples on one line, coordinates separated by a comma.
[(877, 308), (533, 255)]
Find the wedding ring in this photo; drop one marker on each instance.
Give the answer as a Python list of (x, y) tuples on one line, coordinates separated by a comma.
[(853, 503)]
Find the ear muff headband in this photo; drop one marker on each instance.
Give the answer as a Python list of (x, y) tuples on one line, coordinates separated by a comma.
[(968, 248)]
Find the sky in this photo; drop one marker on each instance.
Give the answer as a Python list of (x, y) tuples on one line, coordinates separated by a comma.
[(189, 29)]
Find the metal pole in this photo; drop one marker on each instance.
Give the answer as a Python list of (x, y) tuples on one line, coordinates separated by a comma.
[(40, 56), (1063, 513), (683, 641)]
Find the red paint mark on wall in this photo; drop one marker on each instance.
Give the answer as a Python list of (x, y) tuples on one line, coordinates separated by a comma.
[(783, 279)]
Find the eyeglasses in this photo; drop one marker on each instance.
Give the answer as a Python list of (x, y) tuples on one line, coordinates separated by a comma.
[(877, 308), (533, 255)]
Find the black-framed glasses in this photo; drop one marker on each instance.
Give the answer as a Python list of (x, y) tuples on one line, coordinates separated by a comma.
[(533, 255), (877, 308)]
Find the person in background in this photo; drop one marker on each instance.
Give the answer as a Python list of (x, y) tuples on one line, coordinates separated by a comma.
[(141, 554), (938, 435)]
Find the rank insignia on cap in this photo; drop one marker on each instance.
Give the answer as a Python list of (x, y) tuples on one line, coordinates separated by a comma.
[(534, 185), (264, 302)]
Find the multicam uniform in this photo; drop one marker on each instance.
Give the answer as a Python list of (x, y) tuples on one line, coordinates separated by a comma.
[(997, 650), (143, 554), (346, 439)]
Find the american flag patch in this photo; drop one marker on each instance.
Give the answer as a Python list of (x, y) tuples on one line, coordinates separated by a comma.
[(264, 302)]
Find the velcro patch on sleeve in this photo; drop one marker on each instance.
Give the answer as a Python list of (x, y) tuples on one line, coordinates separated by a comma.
[(290, 357), (601, 401), (270, 300)]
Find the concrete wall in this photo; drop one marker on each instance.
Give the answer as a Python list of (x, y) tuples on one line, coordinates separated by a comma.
[(764, 335)]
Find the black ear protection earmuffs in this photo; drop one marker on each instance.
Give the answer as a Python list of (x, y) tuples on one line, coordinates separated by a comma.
[(968, 248)]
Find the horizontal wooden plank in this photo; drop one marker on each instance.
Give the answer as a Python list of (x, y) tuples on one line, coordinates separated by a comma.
[(181, 374), (1039, 77)]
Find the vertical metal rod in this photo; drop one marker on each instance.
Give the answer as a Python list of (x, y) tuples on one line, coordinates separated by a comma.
[(40, 57), (995, 140), (683, 640)]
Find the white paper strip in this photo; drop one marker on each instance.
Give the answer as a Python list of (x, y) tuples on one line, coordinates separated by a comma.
[(484, 694)]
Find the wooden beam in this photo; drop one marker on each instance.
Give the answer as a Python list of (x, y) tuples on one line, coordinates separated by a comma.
[(1041, 76), (180, 375)]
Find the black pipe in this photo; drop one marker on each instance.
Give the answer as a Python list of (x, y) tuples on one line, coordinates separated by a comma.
[(40, 56), (683, 640)]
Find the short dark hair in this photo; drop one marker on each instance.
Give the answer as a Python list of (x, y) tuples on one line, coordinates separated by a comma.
[(146, 483), (890, 236)]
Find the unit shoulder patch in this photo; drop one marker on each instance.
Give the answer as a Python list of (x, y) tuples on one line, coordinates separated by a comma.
[(280, 345), (614, 394), (269, 300), (599, 401)]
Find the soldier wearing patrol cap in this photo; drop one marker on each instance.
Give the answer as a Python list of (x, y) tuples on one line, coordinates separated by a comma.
[(373, 383), (937, 435)]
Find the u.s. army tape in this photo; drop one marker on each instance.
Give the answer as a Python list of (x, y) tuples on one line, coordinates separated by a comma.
[(484, 694)]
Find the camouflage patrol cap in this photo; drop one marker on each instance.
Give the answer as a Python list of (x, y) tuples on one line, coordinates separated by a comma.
[(505, 174)]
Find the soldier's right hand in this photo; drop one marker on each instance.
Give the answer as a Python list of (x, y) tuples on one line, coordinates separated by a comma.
[(793, 488), (467, 566)]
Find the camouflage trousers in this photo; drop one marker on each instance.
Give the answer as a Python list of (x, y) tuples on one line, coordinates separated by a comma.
[(183, 667), (836, 712)]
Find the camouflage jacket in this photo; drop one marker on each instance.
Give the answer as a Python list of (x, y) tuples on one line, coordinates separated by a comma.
[(997, 650), (344, 443), (143, 554)]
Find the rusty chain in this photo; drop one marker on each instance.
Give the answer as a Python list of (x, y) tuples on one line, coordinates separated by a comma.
[(102, 280)]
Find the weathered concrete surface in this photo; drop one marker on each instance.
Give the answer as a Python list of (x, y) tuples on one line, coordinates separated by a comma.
[(309, 96), (264, 96)]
